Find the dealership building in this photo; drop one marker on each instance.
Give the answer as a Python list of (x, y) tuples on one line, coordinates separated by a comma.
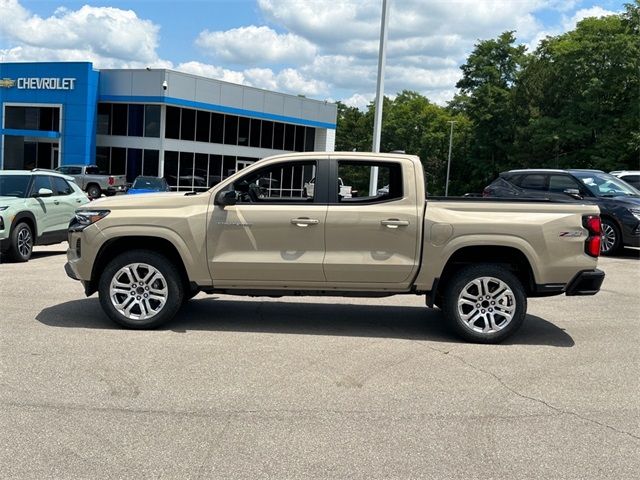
[(194, 131)]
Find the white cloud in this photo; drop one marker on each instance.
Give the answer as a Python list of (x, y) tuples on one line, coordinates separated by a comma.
[(359, 101), (105, 35), (250, 45)]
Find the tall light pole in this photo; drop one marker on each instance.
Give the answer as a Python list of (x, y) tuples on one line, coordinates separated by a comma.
[(446, 187), (377, 120)]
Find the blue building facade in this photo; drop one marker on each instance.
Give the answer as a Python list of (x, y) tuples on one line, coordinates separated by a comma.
[(192, 130), (47, 113)]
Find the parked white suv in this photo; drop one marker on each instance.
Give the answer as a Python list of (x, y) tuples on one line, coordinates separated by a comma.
[(632, 177)]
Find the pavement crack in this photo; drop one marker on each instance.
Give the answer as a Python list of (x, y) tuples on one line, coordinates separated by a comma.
[(533, 399)]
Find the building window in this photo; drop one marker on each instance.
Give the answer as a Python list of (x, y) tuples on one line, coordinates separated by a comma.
[(136, 120), (185, 169), (171, 168), (299, 138), (134, 163), (217, 128), (172, 127), (230, 130), (289, 136), (254, 136), (104, 118), (201, 171), (150, 163), (310, 140), (152, 121), (266, 139), (119, 119), (118, 161), (203, 119), (103, 157), (278, 136), (243, 131), (33, 118), (188, 124)]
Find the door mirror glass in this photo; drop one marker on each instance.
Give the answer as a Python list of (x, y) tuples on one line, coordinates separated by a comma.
[(227, 197), (44, 192)]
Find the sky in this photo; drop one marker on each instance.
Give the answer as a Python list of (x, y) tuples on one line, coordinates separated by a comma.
[(323, 49)]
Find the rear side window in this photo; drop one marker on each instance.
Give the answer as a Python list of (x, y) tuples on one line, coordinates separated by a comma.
[(70, 170), (355, 182), (92, 170), (534, 182), (61, 186), (560, 183)]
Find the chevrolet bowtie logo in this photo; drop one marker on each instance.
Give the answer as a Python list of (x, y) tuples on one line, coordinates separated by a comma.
[(7, 82)]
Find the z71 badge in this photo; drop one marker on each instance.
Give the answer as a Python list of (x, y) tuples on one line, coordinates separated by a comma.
[(572, 234)]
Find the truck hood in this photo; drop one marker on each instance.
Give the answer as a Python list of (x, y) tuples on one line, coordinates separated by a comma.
[(148, 200)]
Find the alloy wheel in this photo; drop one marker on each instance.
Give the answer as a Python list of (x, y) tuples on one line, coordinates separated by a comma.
[(25, 242), (608, 238), (138, 291), (486, 305)]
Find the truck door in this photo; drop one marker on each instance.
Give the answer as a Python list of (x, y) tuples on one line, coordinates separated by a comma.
[(373, 235), (274, 234)]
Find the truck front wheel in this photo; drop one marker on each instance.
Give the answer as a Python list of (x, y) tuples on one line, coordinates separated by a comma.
[(140, 289), (484, 303)]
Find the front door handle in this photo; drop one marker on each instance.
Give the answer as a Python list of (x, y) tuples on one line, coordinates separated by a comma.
[(56, 202), (304, 221), (394, 223)]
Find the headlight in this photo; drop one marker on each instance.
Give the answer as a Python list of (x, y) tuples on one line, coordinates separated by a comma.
[(84, 218), (635, 212), (3, 208)]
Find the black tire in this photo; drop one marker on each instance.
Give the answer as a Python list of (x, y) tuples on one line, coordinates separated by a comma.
[(172, 282), (514, 303), (21, 243), (94, 191), (611, 241)]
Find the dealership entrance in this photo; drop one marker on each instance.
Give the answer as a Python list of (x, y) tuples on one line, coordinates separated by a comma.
[(31, 136)]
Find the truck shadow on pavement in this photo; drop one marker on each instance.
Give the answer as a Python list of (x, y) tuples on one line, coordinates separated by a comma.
[(303, 318)]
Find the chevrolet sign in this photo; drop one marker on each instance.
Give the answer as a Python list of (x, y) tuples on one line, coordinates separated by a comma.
[(46, 83)]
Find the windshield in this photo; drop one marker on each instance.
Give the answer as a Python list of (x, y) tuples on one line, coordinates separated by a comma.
[(14, 185), (605, 185), (149, 183)]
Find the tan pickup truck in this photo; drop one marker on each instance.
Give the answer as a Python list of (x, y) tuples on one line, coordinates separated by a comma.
[(260, 233)]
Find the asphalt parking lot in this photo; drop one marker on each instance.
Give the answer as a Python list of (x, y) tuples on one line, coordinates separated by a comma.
[(315, 388)]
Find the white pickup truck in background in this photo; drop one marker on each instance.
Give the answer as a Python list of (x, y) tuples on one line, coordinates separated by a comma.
[(89, 179)]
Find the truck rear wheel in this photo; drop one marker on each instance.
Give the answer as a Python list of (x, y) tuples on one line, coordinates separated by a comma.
[(94, 191), (140, 289), (484, 303)]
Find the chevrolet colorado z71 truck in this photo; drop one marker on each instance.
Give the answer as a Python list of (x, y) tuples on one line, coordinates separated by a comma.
[(257, 233)]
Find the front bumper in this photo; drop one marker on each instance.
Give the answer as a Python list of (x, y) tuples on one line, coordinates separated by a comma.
[(586, 282)]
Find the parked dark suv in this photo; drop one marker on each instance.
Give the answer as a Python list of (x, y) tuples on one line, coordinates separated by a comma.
[(619, 202)]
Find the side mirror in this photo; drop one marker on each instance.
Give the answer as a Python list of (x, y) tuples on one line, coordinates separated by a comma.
[(574, 193), (226, 197), (43, 192)]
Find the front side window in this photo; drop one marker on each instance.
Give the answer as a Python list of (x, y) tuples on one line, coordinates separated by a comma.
[(560, 183), (14, 185), (70, 170), (604, 185), (40, 181), (284, 182), (355, 179)]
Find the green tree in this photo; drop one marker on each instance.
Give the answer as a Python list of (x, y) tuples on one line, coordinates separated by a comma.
[(581, 92)]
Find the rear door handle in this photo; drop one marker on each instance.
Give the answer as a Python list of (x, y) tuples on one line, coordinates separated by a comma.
[(304, 221), (394, 223)]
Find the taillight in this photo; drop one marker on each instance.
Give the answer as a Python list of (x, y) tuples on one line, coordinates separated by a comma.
[(111, 181), (592, 244)]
